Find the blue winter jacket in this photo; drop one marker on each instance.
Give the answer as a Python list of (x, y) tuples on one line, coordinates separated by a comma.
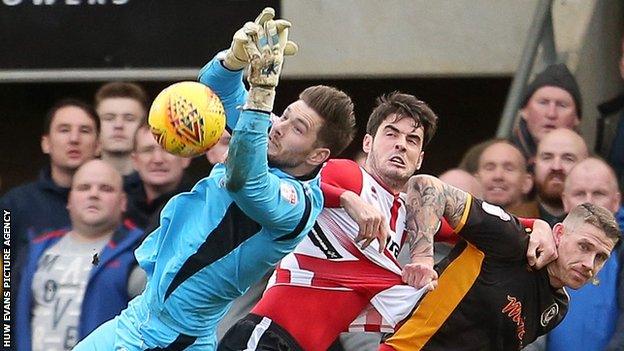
[(106, 293), (36, 207)]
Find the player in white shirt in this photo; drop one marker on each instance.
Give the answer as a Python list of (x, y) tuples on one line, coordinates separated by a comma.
[(329, 283)]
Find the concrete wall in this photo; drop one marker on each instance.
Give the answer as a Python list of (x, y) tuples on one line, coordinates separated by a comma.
[(453, 38), (407, 37)]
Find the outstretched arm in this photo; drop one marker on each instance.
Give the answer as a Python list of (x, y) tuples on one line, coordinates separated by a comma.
[(264, 42), (274, 202), (228, 85)]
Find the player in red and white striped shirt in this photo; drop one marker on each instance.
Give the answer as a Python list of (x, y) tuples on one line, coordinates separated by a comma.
[(329, 283)]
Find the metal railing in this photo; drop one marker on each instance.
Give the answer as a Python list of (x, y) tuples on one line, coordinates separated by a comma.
[(540, 32)]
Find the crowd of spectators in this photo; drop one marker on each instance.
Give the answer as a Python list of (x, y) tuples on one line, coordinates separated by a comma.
[(544, 170)]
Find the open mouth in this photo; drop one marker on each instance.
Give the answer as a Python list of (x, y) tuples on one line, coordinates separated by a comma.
[(497, 189), (397, 161)]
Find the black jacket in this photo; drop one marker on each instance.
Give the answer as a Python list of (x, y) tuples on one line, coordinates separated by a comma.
[(142, 213)]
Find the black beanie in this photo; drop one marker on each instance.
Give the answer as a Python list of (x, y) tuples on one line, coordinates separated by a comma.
[(557, 76)]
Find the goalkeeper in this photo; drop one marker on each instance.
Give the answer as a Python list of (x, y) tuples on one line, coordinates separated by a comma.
[(233, 226)]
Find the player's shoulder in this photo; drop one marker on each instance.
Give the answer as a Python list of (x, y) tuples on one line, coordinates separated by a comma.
[(482, 214), (487, 209), (340, 164), (490, 225), (343, 173)]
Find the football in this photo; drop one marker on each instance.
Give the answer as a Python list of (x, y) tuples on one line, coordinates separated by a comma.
[(187, 118)]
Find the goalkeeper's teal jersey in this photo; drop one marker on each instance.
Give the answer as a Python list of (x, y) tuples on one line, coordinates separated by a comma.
[(213, 243)]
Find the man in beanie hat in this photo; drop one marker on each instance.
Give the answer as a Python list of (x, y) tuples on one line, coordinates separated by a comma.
[(551, 101)]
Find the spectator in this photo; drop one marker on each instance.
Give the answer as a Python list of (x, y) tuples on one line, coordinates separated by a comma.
[(78, 277), (158, 177), (463, 180), (470, 159), (70, 138), (557, 153), (598, 308), (506, 182), (610, 138), (122, 108), (552, 100)]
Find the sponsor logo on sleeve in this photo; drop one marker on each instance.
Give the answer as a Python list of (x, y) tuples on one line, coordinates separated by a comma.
[(549, 314), (495, 211), (289, 193)]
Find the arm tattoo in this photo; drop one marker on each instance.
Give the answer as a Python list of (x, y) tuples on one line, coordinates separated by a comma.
[(428, 200)]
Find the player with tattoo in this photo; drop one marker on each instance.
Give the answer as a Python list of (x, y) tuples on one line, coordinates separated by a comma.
[(328, 270), (488, 297), (329, 284)]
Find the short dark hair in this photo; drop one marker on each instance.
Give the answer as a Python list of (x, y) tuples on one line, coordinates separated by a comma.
[(404, 105), (336, 109), (597, 216), (122, 90), (88, 109)]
